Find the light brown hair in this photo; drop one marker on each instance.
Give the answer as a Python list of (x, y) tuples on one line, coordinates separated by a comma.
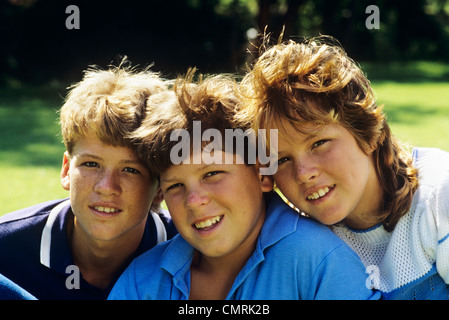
[(315, 81), (212, 101)]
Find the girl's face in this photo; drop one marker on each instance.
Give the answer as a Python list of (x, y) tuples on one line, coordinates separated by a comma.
[(325, 174)]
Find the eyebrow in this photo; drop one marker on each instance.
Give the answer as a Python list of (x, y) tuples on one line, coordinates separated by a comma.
[(203, 167), (89, 155), (308, 137)]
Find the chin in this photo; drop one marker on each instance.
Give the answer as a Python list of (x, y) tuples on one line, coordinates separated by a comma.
[(328, 220), (105, 235)]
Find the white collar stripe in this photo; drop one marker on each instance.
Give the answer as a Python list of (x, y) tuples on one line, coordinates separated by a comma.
[(46, 233), (160, 228)]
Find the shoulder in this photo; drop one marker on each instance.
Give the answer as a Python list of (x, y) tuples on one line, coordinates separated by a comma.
[(430, 199), (314, 237), (326, 266), (144, 277), (286, 230), (11, 291), (284, 226), (27, 218), (151, 259), (432, 165), (319, 247), (433, 184)]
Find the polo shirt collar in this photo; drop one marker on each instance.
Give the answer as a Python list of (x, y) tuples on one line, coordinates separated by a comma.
[(280, 221), (177, 260), (55, 250)]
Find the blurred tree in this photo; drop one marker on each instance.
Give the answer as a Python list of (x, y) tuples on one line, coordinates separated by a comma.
[(209, 34)]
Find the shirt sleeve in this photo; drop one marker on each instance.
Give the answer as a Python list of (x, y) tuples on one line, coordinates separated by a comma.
[(10, 291), (433, 172), (342, 276), (441, 216)]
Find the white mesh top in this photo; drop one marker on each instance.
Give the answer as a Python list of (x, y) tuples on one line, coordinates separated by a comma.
[(413, 260)]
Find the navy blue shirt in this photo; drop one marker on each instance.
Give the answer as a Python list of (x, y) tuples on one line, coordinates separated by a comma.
[(35, 251)]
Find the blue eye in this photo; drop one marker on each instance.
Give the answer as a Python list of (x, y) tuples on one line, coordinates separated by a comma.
[(283, 159), (173, 186), (90, 164), (319, 143), (213, 173), (131, 170)]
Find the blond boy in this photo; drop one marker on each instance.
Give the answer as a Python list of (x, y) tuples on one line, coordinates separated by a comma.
[(76, 248)]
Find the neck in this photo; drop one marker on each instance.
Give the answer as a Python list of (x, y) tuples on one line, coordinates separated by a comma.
[(212, 278), (366, 214), (99, 261), (362, 221), (220, 271)]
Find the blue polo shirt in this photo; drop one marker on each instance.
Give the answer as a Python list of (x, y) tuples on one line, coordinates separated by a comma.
[(295, 258), (35, 251)]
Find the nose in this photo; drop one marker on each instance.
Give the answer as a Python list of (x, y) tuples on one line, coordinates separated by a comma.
[(197, 198), (306, 170), (108, 183)]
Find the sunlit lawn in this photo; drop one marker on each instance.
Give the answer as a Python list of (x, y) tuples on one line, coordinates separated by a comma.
[(415, 95), (30, 147), (418, 113), (416, 100)]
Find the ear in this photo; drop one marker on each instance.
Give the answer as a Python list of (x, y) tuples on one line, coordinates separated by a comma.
[(65, 172), (159, 197), (267, 183)]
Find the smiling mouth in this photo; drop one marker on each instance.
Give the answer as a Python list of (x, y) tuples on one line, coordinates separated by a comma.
[(320, 193), (106, 210), (207, 224)]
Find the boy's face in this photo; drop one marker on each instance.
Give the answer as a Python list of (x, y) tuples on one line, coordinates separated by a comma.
[(327, 175), (111, 191), (217, 208)]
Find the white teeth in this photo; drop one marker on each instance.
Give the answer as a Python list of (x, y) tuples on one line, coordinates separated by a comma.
[(320, 193), (105, 209), (207, 223)]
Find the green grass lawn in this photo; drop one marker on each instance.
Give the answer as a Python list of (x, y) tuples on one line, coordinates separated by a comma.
[(418, 113), (415, 95), (30, 147), (416, 100)]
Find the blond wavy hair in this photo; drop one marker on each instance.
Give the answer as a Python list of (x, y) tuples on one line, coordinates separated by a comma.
[(108, 103), (315, 81)]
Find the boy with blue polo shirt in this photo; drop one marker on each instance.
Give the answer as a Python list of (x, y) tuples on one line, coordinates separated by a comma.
[(76, 248), (237, 238)]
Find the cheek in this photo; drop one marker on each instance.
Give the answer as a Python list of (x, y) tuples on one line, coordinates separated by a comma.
[(176, 208), (284, 180), (141, 193), (79, 184)]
